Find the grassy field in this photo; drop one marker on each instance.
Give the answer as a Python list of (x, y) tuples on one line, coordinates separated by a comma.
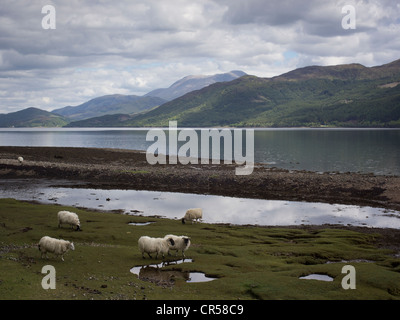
[(249, 262)]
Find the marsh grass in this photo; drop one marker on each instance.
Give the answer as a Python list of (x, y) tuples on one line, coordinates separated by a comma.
[(249, 262)]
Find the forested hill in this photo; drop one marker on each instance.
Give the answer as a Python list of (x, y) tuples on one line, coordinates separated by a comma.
[(344, 95)]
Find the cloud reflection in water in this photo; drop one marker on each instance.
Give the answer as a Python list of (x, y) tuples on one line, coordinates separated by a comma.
[(216, 209)]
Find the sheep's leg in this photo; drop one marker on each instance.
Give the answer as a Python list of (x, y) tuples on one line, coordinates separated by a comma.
[(150, 255)]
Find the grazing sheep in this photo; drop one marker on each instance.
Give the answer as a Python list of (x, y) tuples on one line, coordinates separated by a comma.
[(193, 214), (70, 218), (20, 159), (56, 246), (159, 245), (181, 243)]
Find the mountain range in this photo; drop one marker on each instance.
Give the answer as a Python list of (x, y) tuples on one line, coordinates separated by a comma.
[(342, 95), (109, 104)]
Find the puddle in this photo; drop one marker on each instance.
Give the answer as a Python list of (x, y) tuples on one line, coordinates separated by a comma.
[(154, 273), (199, 277), (316, 276), (140, 223)]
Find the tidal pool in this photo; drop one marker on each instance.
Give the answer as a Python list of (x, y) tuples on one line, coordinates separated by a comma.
[(316, 276), (154, 273), (216, 209)]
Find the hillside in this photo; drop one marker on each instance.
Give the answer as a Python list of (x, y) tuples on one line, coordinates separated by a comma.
[(345, 95), (194, 82), (350, 95), (109, 104), (32, 117)]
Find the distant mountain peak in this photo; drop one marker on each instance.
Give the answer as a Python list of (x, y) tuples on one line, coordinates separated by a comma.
[(193, 82)]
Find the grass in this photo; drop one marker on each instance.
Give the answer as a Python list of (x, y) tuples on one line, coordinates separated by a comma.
[(249, 262)]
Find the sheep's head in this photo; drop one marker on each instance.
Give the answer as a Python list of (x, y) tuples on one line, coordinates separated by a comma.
[(71, 246), (170, 242)]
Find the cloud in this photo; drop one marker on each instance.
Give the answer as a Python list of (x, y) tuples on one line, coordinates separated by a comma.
[(133, 47)]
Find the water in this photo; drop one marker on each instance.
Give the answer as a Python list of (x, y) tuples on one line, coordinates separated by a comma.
[(216, 209), (154, 273), (320, 150), (316, 276)]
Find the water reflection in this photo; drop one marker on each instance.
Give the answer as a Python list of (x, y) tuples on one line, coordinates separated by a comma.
[(155, 274), (316, 276), (216, 209)]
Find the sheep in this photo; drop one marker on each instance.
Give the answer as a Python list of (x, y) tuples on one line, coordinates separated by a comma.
[(70, 218), (56, 246), (181, 243), (193, 214), (20, 159), (158, 245)]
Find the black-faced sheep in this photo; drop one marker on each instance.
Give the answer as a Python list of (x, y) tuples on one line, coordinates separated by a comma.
[(56, 246), (158, 245), (67, 217), (182, 243), (195, 214)]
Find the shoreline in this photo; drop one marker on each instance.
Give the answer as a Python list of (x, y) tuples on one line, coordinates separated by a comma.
[(129, 170)]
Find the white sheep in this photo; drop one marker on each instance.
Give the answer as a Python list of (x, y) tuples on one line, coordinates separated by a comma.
[(70, 218), (150, 245), (193, 215), (181, 243), (56, 246), (20, 159)]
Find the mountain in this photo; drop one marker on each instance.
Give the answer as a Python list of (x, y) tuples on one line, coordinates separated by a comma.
[(193, 82), (32, 117), (344, 95), (109, 120), (109, 104)]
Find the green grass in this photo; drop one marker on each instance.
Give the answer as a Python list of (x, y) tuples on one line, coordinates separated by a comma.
[(249, 262)]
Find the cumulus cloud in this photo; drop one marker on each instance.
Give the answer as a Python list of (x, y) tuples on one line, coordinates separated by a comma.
[(133, 47)]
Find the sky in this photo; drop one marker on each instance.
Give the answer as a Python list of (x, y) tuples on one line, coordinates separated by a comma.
[(63, 53)]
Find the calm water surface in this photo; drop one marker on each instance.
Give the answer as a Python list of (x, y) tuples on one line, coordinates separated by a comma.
[(216, 209), (322, 150)]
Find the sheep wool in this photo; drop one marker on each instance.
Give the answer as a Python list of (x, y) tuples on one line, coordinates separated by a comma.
[(56, 246), (158, 245), (67, 217), (182, 243), (193, 215), (20, 159)]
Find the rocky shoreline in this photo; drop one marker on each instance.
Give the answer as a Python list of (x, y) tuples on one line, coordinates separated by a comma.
[(127, 169)]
